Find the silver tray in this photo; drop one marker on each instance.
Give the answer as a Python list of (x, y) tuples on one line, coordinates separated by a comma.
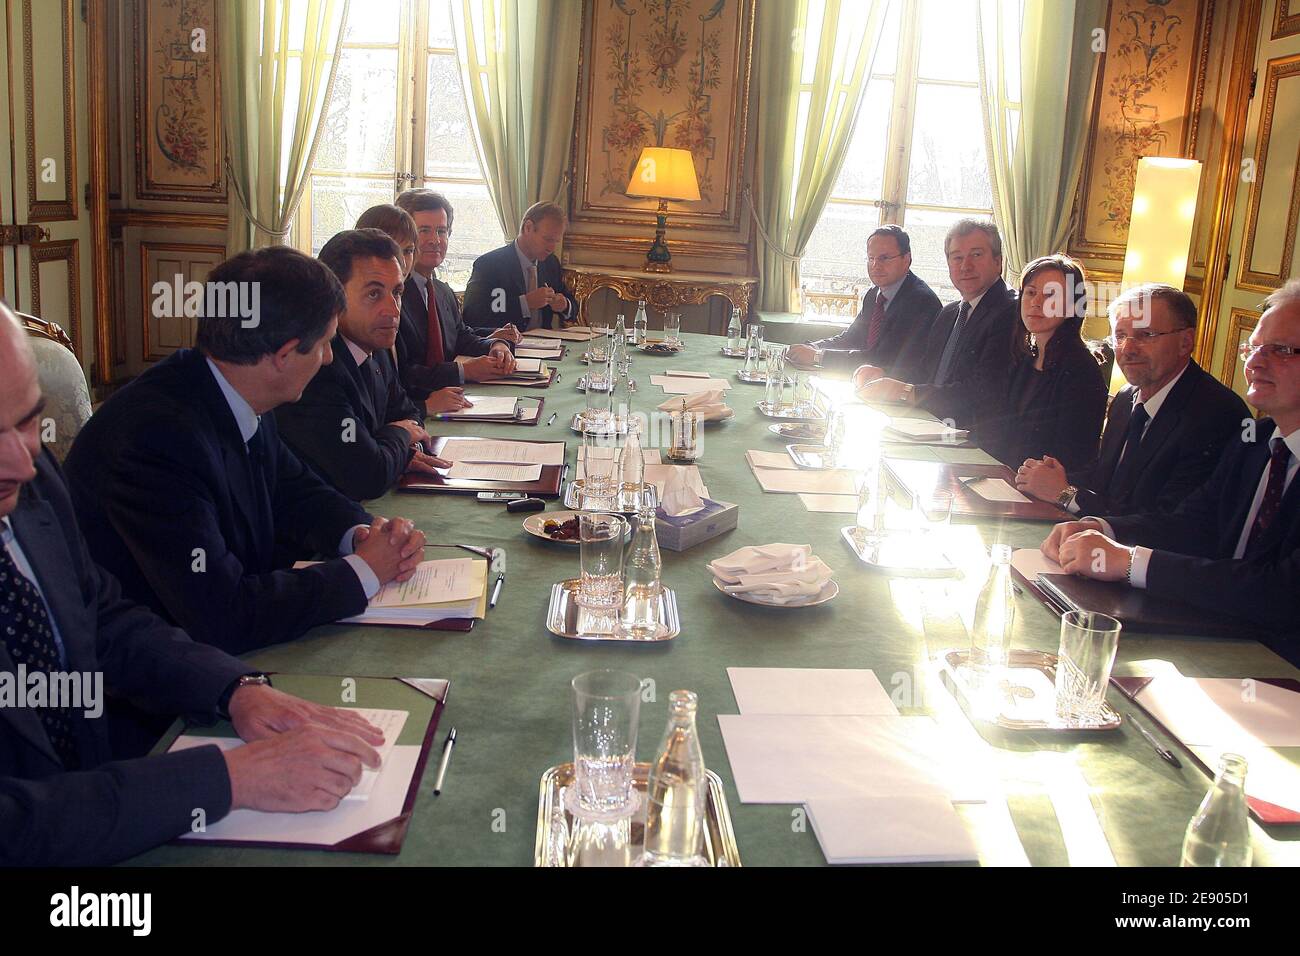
[(788, 414), (733, 353), (628, 502), (1026, 703), (582, 385), (578, 423), (564, 618), (812, 457), (757, 378), (900, 554), (563, 840), (805, 430)]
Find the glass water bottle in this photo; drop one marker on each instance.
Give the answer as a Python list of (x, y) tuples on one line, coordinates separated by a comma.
[(674, 825), (733, 332), (620, 340), (1219, 833), (640, 617), (631, 460), (995, 613), (640, 323), (621, 403), (754, 350)]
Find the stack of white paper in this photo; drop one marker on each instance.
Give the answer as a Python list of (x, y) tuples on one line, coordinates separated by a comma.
[(487, 451), (995, 489)]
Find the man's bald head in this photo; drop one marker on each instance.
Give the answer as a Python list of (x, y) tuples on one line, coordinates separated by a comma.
[(21, 405)]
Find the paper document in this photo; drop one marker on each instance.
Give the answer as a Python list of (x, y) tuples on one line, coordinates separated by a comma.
[(922, 430), (448, 579), (531, 365), (502, 452), (781, 481), (918, 828), (1031, 562), (499, 406), (831, 504), (417, 615), (1224, 712), (809, 690), (679, 373), (527, 353), (686, 386), (1271, 775), (770, 459), (487, 471), (571, 335), (995, 489)]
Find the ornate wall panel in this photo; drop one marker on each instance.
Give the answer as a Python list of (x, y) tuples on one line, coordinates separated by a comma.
[(56, 286), (50, 112), (163, 262), (1286, 21), (1273, 206), (1241, 323)]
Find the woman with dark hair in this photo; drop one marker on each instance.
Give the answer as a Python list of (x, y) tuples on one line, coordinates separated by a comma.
[(1055, 401)]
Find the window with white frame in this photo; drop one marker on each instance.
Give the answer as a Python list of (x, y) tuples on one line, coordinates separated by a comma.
[(918, 156)]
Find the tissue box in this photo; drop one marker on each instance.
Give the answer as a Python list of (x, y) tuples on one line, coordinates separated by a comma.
[(677, 533)]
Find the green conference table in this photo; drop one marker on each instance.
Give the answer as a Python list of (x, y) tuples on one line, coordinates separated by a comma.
[(509, 697)]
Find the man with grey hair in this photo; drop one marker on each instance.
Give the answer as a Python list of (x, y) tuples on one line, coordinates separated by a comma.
[(522, 283), (962, 375), (1164, 431), (1233, 545), (64, 799)]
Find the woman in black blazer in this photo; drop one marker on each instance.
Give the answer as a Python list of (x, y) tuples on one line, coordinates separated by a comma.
[(1055, 400)]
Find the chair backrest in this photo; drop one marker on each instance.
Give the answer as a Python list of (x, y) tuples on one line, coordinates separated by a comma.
[(63, 383)]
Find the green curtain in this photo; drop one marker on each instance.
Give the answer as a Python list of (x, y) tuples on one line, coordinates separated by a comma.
[(1037, 74), (277, 60), (519, 69), (813, 63)]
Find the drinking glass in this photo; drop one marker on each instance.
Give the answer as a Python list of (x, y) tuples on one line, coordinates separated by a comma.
[(672, 328), (802, 398), (600, 542), (1088, 644), (775, 376), (606, 708), (597, 414), (934, 508), (599, 464), (684, 444)]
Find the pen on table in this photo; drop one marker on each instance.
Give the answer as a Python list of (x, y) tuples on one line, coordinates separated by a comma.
[(496, 589), (442, 763), (551, 420), (564, 474), (1165, 753)]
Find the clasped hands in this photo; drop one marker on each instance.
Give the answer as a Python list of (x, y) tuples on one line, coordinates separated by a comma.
[(871, 385), (499, 361), (1082, 548), (544, 296)]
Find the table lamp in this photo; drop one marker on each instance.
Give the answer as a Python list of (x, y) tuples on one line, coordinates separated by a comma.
[(663, 173)]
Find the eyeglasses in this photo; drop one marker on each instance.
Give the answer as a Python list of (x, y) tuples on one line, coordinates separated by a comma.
[(1141, 338), (881, 260), (1248, 351)]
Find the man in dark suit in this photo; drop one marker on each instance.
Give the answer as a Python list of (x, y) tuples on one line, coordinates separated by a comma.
[(891, 329), (64, 799), (457, 354), (1165, 430), (355, 424), (521, 283), (964, 367), (186, 493), (1233, 544)]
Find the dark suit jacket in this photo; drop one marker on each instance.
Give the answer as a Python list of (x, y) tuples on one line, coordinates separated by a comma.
[(978, 374), (1193, 546), (903, 333), (418, 378), (499, 269), (161, 470), (1056, 412), (107, 810), (340, 426), (1178, 453)]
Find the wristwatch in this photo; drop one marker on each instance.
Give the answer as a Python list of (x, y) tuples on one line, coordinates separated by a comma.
[(1066, 496), (908, 391), (223, 702)]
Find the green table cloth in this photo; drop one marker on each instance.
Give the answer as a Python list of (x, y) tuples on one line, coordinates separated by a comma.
[(1068, 800)]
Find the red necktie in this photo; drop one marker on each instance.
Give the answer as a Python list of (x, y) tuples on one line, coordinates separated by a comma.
[(877, 320), (434, 354), (1271, 504)]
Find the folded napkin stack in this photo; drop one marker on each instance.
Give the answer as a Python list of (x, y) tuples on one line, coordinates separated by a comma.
[(772, 573), (708, 403)]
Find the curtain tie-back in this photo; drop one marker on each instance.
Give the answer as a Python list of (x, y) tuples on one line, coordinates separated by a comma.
[(772, 244)]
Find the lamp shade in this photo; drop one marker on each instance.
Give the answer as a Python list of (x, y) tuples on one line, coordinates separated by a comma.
[(1160, 228), (664, 173)]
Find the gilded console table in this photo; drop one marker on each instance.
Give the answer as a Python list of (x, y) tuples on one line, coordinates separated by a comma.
[(661, 290)]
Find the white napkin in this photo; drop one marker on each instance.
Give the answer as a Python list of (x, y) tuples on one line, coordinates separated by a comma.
[(679, 498), (707, 402), (759, 559), (784, 586)]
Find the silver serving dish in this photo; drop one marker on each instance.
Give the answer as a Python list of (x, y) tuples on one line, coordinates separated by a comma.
[(805, 430), (757, 378), (1025, 694), (564, 840), (628, 501), (900, 554), (579, 425), (565, 618), (812, 457), (733, 353), (789, 414)]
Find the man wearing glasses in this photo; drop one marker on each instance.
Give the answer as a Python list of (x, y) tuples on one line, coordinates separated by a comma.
[(435, 348), (1234, 543), (1165, 430), (891, 329)]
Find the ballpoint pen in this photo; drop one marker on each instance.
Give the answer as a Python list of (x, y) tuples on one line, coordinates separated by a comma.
[(442, 762), (496, 589), (551, 420), (1165, 753), (564, 474)]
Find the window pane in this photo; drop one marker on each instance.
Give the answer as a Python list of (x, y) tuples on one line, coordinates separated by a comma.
[(887, 52), (440, 31), (337, 201), (835, 259), (474, 231), (361, 125), (448, 137), (949, 160), (864, 164), (375, 21), (926, 228), (948, 41)]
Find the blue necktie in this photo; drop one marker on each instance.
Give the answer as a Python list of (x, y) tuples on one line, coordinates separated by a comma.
[(950, 350)]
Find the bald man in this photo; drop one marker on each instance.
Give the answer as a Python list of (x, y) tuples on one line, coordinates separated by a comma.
[(64, 626)]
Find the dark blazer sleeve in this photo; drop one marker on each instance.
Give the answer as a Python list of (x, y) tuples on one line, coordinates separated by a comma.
[(840, 348), (160, 500), (465, 341), (555, 274), (1081, 409), (362, 464), (982, 380), (487, 276)]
